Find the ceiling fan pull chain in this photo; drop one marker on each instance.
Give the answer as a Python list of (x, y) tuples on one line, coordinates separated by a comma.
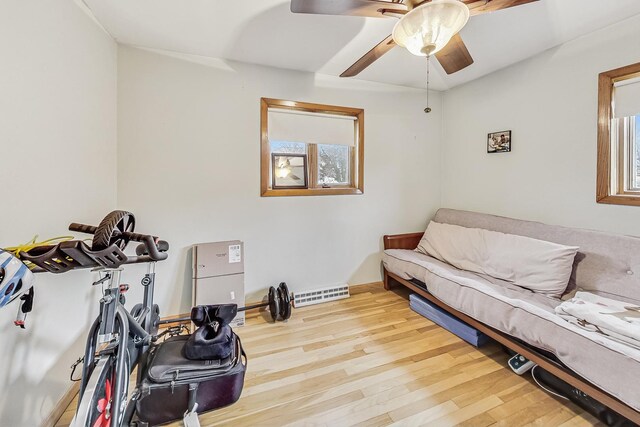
[(428, 109)]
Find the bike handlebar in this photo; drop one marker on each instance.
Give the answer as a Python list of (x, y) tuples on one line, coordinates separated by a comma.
[(151, 242), (152, 249)]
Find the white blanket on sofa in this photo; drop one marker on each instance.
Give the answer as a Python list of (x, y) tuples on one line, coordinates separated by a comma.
[(617, 320)]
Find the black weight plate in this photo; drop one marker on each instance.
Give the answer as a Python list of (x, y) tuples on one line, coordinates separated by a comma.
[(285, 302), (274, 304), (280, 304), (285, 290)]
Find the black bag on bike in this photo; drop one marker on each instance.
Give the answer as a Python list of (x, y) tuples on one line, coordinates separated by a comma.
[(173, 384), (221, 313), (214, 338)]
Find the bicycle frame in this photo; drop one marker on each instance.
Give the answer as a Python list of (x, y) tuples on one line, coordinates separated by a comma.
[(125, 341)]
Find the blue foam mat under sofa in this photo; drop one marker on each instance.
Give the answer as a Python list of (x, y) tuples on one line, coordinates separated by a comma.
[(447, 321)]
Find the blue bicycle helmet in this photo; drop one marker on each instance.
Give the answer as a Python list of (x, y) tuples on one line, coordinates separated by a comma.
[(15, 278)]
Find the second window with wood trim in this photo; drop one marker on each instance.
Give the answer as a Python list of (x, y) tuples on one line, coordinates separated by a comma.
[(311, 149), (618, 169)]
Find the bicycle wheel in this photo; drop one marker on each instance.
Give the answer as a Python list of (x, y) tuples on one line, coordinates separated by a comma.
[(109, 231), (95, 408)]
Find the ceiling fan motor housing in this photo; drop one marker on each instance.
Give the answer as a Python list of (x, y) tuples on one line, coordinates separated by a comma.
[(428, 49)]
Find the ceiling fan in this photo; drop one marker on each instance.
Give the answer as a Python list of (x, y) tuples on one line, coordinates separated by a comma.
[(425, 27)]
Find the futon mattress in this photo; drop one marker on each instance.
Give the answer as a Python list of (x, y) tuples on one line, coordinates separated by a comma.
[(612, 366)]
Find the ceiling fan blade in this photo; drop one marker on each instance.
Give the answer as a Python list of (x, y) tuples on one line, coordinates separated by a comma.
[(373, 8), (478, 7), (369, 58), (454, 56)]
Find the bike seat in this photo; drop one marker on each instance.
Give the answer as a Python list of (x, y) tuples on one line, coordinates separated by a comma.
[(141, 249)]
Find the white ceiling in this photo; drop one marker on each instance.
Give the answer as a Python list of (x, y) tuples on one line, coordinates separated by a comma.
[(266, 32)]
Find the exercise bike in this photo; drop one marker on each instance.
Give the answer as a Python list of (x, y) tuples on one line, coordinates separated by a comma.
[(118, 340)]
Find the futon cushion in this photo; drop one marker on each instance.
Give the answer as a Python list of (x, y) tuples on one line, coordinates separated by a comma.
[(608, 364), (528, 316), (537, 265)]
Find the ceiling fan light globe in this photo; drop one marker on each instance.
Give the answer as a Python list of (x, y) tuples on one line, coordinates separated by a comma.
[(426, 29)]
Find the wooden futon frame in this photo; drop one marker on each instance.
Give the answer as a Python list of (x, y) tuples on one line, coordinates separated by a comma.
[(411, 240)]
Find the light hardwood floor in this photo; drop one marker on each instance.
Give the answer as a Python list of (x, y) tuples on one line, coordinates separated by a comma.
[(371, 361)]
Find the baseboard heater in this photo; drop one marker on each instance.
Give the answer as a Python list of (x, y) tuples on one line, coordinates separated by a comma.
[(318, 296)]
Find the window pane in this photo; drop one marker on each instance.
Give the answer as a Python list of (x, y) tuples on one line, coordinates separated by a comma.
[(333, 164), (285, 147), (635, 140)]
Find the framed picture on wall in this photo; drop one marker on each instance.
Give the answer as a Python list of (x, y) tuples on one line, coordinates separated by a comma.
[(499, 142), (288, 171)]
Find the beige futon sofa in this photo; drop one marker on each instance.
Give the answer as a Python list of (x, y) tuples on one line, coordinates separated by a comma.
[(606, 264)]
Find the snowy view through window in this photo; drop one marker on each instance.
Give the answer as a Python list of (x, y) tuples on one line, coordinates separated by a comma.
[(333, 164), (333, 160), (282, 147)]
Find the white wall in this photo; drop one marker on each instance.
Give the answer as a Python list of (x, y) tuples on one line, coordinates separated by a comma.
[(550, 104), (188, 166), (58, 138)]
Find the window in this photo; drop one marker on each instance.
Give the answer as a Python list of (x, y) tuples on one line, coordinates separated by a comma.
[(618, 174), (333, 165), (627, 136), (311, 149)]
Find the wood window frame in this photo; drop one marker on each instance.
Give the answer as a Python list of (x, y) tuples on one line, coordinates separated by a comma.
[(610, 176), (356, 158)]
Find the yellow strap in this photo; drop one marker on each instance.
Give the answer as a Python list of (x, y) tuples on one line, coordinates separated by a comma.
[(33, 243)]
